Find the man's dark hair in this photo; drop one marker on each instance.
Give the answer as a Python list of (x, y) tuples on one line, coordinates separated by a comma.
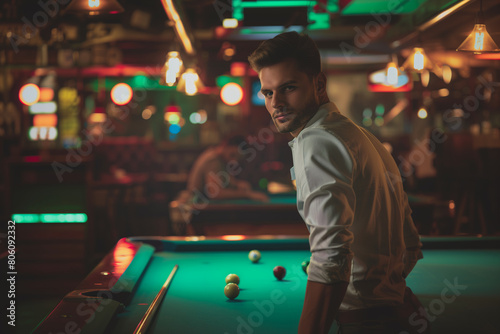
[(288, 45)]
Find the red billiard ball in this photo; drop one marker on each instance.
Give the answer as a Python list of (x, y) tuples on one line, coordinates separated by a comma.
[(279, 272)]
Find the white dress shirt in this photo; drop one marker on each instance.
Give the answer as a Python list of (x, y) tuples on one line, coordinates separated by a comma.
[(351, 197)]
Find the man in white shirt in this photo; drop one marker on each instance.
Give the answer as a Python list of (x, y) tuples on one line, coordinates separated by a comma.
[(349, 193)]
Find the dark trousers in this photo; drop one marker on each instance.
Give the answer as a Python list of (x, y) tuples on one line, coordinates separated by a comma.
[(406, 319)]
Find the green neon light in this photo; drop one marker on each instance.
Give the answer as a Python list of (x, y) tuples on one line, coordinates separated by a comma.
[(141, 81), (138, 81), (63, 218), (237, 10), (370, 7), (319, 21), (25, 218), (275, 3), (249, 31), (30, 218), (259, 30), (222, 80), (332, 6)]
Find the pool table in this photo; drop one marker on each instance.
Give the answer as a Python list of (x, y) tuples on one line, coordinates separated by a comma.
[(457, 281)]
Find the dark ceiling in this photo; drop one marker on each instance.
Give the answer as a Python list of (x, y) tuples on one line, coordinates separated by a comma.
[(143, 33)]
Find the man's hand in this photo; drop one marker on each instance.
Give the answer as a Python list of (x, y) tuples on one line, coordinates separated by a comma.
[(321, 304)]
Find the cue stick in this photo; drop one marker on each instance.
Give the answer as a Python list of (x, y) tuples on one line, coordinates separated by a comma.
[(142, 327)]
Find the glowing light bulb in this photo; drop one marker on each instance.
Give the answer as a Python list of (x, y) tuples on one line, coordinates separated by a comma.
[(392, 74), (418, 60), (422, 113), (170, 77), (191, 79), (174, 63), (479, 41)]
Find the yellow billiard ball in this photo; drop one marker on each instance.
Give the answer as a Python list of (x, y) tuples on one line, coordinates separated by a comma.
[(231, 290), (254, 256), (232, 278)]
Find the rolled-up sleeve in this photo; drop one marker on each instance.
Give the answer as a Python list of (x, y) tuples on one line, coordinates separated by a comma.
[(325, 184)]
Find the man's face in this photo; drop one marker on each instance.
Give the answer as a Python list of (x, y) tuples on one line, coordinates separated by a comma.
[(290, 96)]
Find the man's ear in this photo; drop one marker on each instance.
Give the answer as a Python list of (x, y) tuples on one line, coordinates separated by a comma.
[(321, 83)]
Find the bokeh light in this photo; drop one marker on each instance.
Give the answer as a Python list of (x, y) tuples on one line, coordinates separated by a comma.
[(174, 128), (231, 94), (29, 94), (379, 121), (422, 113), (121, 94)]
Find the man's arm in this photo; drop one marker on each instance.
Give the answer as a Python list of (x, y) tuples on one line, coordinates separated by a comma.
[(320, 306), (325, 170)]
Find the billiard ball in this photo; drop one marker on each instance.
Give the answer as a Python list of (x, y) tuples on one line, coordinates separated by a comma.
[(305, 265), (254, 256), (279, 272), (232, 278), (232, 290)]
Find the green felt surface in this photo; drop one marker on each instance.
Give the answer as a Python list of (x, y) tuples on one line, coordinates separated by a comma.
[(195, 302)]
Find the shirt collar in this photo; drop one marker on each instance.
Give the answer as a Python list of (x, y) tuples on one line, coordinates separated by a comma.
[(323, 110)]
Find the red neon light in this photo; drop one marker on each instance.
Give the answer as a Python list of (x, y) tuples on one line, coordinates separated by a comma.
[(388, 89), (489, 56)]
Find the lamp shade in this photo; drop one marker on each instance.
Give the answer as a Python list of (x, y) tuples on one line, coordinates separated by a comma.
[(93, 7), (417, 61), (479, 41), (190, 83)]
